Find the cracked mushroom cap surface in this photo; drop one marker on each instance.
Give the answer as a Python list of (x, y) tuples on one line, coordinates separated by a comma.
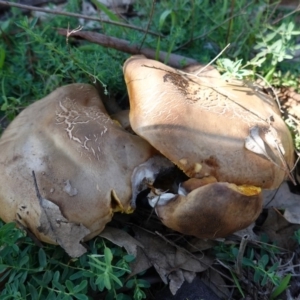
[(82, 161), (203, 123)]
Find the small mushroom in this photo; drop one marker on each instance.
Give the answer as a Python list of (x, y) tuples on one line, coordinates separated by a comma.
[(83, 163), (209, 127)]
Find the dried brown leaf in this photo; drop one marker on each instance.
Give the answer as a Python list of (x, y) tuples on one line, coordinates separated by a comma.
[(282, 198), (216, 283), (170, 262), (279, 230), (122, 239), (189, 276), (141, 263), (176, 280), (67, 234), (197, 245)]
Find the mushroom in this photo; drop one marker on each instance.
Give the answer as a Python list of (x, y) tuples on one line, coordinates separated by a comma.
[(212, 211), (83, 164), (209, 127)]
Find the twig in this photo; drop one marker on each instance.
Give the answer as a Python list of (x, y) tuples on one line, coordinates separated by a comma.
[(230, 22), (79, 28), (202, 69), (287, 15), (239, 259), (38, 194), (148, 25), (175, 60), (270, 86), (75, 15)]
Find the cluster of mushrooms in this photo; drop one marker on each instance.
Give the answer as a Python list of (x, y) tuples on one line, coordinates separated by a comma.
[(67, 166)]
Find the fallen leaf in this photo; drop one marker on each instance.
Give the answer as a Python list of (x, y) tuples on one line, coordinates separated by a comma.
[(141, 263), (176, 280), (67, 234), (173, 264), (197, 245), (216, 283), (189, 263), (279, 230), (254, 142), (282, 198), (122, 239), (196, 290), (53, 224), (188, 276)]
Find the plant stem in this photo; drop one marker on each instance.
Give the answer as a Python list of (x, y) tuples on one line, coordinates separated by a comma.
[(75, 15), (239, 259)]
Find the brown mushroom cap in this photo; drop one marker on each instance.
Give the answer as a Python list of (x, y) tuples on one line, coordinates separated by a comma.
[(201, 123), (211, 211), (83, 163)]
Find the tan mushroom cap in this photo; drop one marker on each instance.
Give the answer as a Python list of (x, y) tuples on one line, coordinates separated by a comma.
[(212, 211), (201, 123), (83, 163)]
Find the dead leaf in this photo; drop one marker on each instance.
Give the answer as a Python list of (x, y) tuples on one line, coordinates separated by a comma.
[(254, 142), (53, 224), (275, 143), (272, 139), (196, 290), (176, 280), (184, 260), (279, 230), (122, 239), (170, 262), (216, 283), (141, 263), (67, 234), (282, 198), (132, 246), (189, 276), (197, 245)]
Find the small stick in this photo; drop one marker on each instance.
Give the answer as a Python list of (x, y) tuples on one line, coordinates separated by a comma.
[(287, 15), (201, 70), (238, 265), (74, 15), (148, 25), (38, 194), (175, 60)]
